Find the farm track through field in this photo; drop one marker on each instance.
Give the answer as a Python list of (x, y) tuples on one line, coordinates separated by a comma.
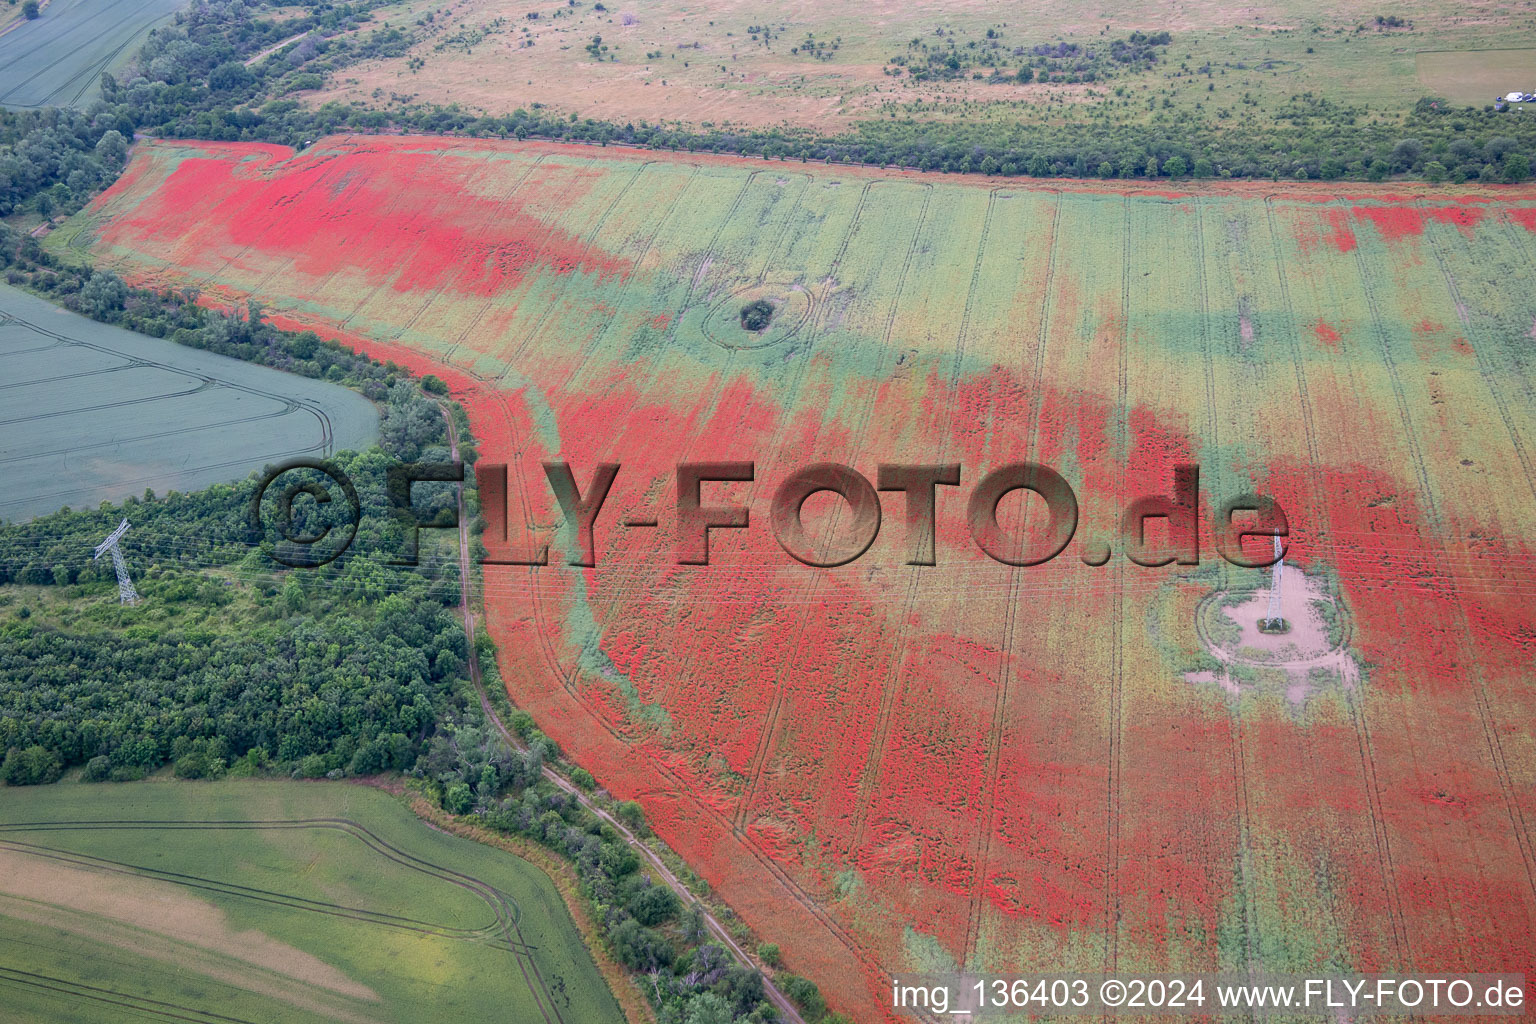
[(326, 438), (537, 251), (1112, 908), (1353, 701), (769, 735), (735, 825), (982, 840), (504, 909), (601, 334), (153, 1008), (1235, 725), (775, 446), (890, 683), (86, 76), (118, 441), (565, 285), (1448, 577), (403, 196), (434, 294), (566, 676), (1484, 701), (1016, 589), (539, 594), (217, 887)]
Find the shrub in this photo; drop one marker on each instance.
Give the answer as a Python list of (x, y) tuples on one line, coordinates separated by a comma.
[(29, 9), (311, 767), (583, 778), (769, 953), (804, 994), (756, 314), (98, 768), (458, 799), (654, 905), (630, 813), (36, 765)]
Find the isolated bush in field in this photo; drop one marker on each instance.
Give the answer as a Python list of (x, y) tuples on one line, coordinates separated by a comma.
[(583, 778), (756, 314)]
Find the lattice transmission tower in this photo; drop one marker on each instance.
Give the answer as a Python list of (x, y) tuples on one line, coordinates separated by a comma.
[(1273, 619), (125, 592)]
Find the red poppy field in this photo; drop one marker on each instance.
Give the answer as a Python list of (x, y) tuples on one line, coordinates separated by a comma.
[(887, 767)]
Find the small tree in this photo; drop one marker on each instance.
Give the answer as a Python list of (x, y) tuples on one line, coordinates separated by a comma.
[(458, 799), (770, 954), (1435, 171), (112, 148), (756, 315), (30, 10), (654, 905), (102, 294), (1517, 167), (1175, 167)]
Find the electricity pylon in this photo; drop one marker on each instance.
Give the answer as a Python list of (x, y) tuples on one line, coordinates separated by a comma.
[(1274, 620), (125, 592)]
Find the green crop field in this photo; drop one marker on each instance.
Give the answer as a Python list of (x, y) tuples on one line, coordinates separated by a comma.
[(92, 412), (57, 59), (273, 901)]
